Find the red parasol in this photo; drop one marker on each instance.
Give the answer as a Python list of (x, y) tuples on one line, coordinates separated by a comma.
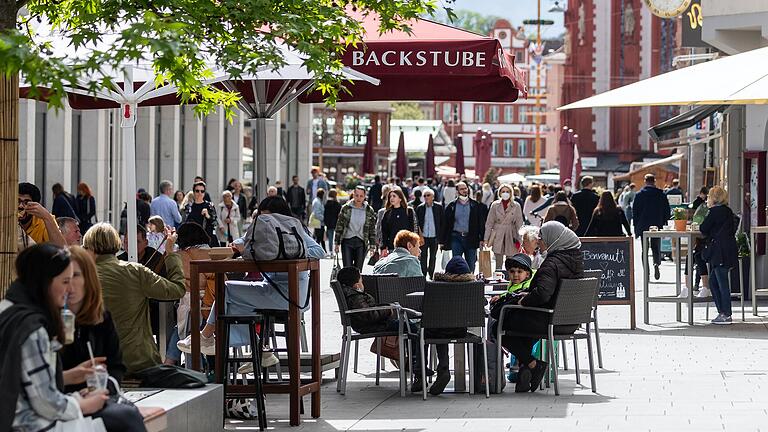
[(566, 155), (368, 162), (434, 62), (401, 163), (459, 154), (430, 162)]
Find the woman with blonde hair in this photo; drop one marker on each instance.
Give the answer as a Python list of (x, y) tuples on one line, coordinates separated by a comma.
[(505, 218), (532, 202), (720, 250)]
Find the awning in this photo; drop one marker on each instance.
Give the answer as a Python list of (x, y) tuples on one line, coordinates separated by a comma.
[(683, 121), (434, 62), (669, 160), (736, 79)]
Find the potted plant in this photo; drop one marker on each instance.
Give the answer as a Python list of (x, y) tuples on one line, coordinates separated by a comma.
[(680, 215)]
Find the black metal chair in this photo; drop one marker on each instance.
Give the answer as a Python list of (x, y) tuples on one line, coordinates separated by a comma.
[(349, 335), (449, 306), (396, 290), (371, 286), (573, 307), (256, 346), (595, 274)]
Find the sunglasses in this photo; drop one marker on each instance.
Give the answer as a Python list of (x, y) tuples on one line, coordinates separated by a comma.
[(199, 190)]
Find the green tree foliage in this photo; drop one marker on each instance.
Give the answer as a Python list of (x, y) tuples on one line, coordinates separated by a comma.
[(184, 38), (468, 20), (407, 111)]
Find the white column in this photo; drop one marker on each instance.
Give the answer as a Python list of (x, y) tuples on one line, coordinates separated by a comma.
[(170, 135), (192, 156), (27, 117), (214, 163), (602, 66), (646, 41), (58, 160), (234, 142), (304, 149), (146, 150), (273, 149), (94, 158)]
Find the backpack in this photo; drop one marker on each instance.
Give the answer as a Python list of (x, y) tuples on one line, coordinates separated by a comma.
[(274, 237)]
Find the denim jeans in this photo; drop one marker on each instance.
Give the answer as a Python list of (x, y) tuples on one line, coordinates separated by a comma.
[(353, 252), (428, 256), (721, 290), (330, 234), (460, 246)]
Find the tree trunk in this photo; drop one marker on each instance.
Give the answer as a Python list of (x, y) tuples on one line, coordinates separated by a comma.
[(9, 176)]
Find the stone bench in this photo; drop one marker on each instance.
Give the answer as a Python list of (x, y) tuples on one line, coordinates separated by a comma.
[(181, 410)]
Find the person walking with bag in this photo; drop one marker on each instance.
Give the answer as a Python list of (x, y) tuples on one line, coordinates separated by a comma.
[(203, 212), (317, 218), (720, 251), (505, 218), (355, 232)]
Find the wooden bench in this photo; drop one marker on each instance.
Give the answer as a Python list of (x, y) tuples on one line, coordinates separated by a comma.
[(182, 410)]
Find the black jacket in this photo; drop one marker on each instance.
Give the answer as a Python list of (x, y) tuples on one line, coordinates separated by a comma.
[(331, 215), (584, 201), (604, 225), (558, 265), (649, 208), (476, 224), (719, 227), (394, 220), (242, 205), (296, 197), (365, 322), (105, 343), (374, 196), (437, 215)]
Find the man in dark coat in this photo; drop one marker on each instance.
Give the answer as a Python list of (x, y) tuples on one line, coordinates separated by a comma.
[(374, 194), (584, 201), (650, 208), (64, 203), (464, 226), (430, 217), (297, 198)]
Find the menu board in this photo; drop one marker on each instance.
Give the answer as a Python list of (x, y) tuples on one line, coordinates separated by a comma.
[(614, 256)]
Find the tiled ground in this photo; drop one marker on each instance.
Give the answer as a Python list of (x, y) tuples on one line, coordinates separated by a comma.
[(662, 377)]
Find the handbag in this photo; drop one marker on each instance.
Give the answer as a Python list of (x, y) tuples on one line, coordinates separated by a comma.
[(168, 376), (336, 267), (390, 347), (314, 222), (485, 263)]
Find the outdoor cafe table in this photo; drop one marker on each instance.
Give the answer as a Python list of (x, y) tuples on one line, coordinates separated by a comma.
[(294, 387), (690, 237)]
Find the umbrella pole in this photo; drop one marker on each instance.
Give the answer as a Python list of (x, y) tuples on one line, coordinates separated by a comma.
[(260, 159), (128, 126)]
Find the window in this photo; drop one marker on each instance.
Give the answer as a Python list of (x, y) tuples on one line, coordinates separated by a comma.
[(508, 114), (355, 126), (323, 128), (522, 148), (522, 114), (494, 114), (446, 113), (507, 147), (494, 146), (479, 113)]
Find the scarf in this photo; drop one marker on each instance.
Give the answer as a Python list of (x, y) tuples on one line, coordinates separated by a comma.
[(558, 237)]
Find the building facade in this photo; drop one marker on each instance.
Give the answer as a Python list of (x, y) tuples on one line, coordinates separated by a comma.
[(172, 143), (339, 137)]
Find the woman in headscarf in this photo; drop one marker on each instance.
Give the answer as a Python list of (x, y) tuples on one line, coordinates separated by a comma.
[(562, 260)]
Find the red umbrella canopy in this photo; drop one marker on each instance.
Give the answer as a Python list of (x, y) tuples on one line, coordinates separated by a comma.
[(434, 62), (566, 155), (368, 163), (401, 163), (430, 162), (459, 154), (483, 155)]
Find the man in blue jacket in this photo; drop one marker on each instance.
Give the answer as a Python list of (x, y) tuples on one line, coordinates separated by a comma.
[(651, 208)]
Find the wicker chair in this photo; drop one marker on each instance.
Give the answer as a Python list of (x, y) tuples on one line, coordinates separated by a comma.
[(350, 335), (453, 305), (573, 306), (396, 290), (371, 283)]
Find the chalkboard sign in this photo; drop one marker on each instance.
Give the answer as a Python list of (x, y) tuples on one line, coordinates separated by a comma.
[(614, 256)]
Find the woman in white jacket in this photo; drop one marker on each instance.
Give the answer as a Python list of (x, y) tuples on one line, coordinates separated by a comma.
[(228, 214)]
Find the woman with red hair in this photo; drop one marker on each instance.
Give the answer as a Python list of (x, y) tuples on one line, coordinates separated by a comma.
[(86, 206)]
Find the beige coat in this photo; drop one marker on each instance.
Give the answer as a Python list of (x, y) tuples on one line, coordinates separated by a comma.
[(502, 227)]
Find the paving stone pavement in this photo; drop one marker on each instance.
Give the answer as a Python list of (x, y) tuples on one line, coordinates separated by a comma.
[(666, 376)]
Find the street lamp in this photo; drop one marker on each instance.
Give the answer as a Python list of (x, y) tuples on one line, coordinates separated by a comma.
[(556, 8)]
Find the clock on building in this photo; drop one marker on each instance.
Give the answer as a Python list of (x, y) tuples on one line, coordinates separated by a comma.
[(667, 8)]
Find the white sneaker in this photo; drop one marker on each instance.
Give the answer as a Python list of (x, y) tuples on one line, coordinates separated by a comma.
[(207, 345), (683, 293), (268, 359), (704, 292)]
